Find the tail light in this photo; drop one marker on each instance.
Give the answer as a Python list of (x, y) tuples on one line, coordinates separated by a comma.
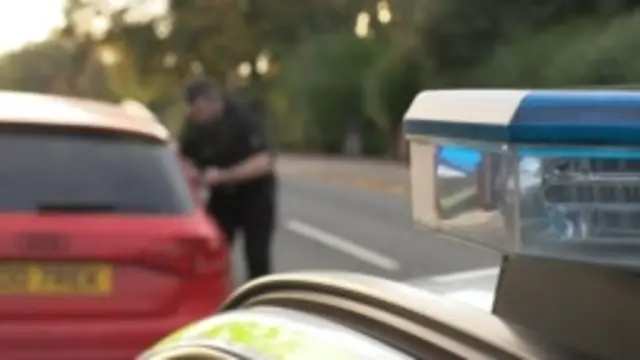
[(186, 256)]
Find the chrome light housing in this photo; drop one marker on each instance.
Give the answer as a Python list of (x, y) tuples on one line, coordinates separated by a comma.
[(544, 173)]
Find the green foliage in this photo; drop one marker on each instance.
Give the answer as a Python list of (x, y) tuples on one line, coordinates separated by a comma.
[(606, 55), (320, 89), (128, 80), (459, 34), (214, 33), (592, 51), (324, 81), (391, 84), (55, 65), (36, 67), (172, 116), (523, 62), (285, 24)]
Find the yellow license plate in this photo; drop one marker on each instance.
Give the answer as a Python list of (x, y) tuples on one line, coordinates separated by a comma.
[(55, 278)]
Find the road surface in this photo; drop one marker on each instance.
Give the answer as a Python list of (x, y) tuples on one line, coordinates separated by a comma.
[(355, 216)]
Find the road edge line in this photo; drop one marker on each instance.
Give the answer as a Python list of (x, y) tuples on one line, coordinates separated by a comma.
[(465, 275)]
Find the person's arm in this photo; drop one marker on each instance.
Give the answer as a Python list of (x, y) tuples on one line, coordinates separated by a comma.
[(255, 166), (259, 160), (186, 145), (186, 149)]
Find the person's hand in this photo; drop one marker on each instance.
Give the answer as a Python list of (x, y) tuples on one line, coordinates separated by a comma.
[(212, 177), (190, 171), (173, 145)]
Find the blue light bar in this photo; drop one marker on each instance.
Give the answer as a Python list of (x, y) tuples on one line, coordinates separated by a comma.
[(571, 117), (567, 186)]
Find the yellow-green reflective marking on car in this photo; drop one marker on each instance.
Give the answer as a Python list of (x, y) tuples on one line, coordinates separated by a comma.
[(268, 340)]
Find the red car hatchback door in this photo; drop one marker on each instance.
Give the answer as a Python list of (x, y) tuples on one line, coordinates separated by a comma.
[(105, 267), (100, 228)]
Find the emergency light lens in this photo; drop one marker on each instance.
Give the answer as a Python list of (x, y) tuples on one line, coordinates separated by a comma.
[(580, 204), (487, 167)]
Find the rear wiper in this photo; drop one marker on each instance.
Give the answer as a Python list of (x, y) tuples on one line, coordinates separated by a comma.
[(64, 207)]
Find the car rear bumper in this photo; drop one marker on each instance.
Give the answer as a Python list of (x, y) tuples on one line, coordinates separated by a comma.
[(87, 340)]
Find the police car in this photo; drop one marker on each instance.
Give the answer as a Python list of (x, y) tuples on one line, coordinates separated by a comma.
[(557, 296)]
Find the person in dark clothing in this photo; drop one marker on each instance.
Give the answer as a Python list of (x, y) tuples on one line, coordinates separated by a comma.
[(228, 147)]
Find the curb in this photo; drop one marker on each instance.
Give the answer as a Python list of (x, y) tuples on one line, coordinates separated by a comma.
[(376, 185)]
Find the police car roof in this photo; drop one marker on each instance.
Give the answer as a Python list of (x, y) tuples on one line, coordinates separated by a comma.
[(569, 117), (51, 110)]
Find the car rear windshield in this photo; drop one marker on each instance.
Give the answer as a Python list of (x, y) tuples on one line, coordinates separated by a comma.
[(88, 171)]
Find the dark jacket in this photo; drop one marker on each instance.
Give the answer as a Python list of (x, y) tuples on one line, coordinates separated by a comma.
[(224, 143)]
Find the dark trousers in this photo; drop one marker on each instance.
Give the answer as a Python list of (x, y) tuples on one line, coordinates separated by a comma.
[(254, 214)]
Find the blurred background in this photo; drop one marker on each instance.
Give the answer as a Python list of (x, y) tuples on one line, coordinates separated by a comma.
[(330, 76)]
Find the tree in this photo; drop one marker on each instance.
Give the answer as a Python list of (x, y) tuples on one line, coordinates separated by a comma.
[(320, 88), (587, 51), (458, 34), (136, 57), (282, 25), (392, 83), (212, 33), (54, 66)]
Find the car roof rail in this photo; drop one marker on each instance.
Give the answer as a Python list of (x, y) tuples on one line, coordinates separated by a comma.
[(137, 109)]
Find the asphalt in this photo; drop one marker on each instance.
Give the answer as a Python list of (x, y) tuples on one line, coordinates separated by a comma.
[(354, 215)]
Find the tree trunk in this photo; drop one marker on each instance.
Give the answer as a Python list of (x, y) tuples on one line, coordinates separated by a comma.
[(397, 145), (402, 145), (60, 86)]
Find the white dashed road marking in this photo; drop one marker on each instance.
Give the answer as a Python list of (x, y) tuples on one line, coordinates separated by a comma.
[(343, 245)]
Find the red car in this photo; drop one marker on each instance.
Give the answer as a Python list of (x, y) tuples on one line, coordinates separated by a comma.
[(103, 249)]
